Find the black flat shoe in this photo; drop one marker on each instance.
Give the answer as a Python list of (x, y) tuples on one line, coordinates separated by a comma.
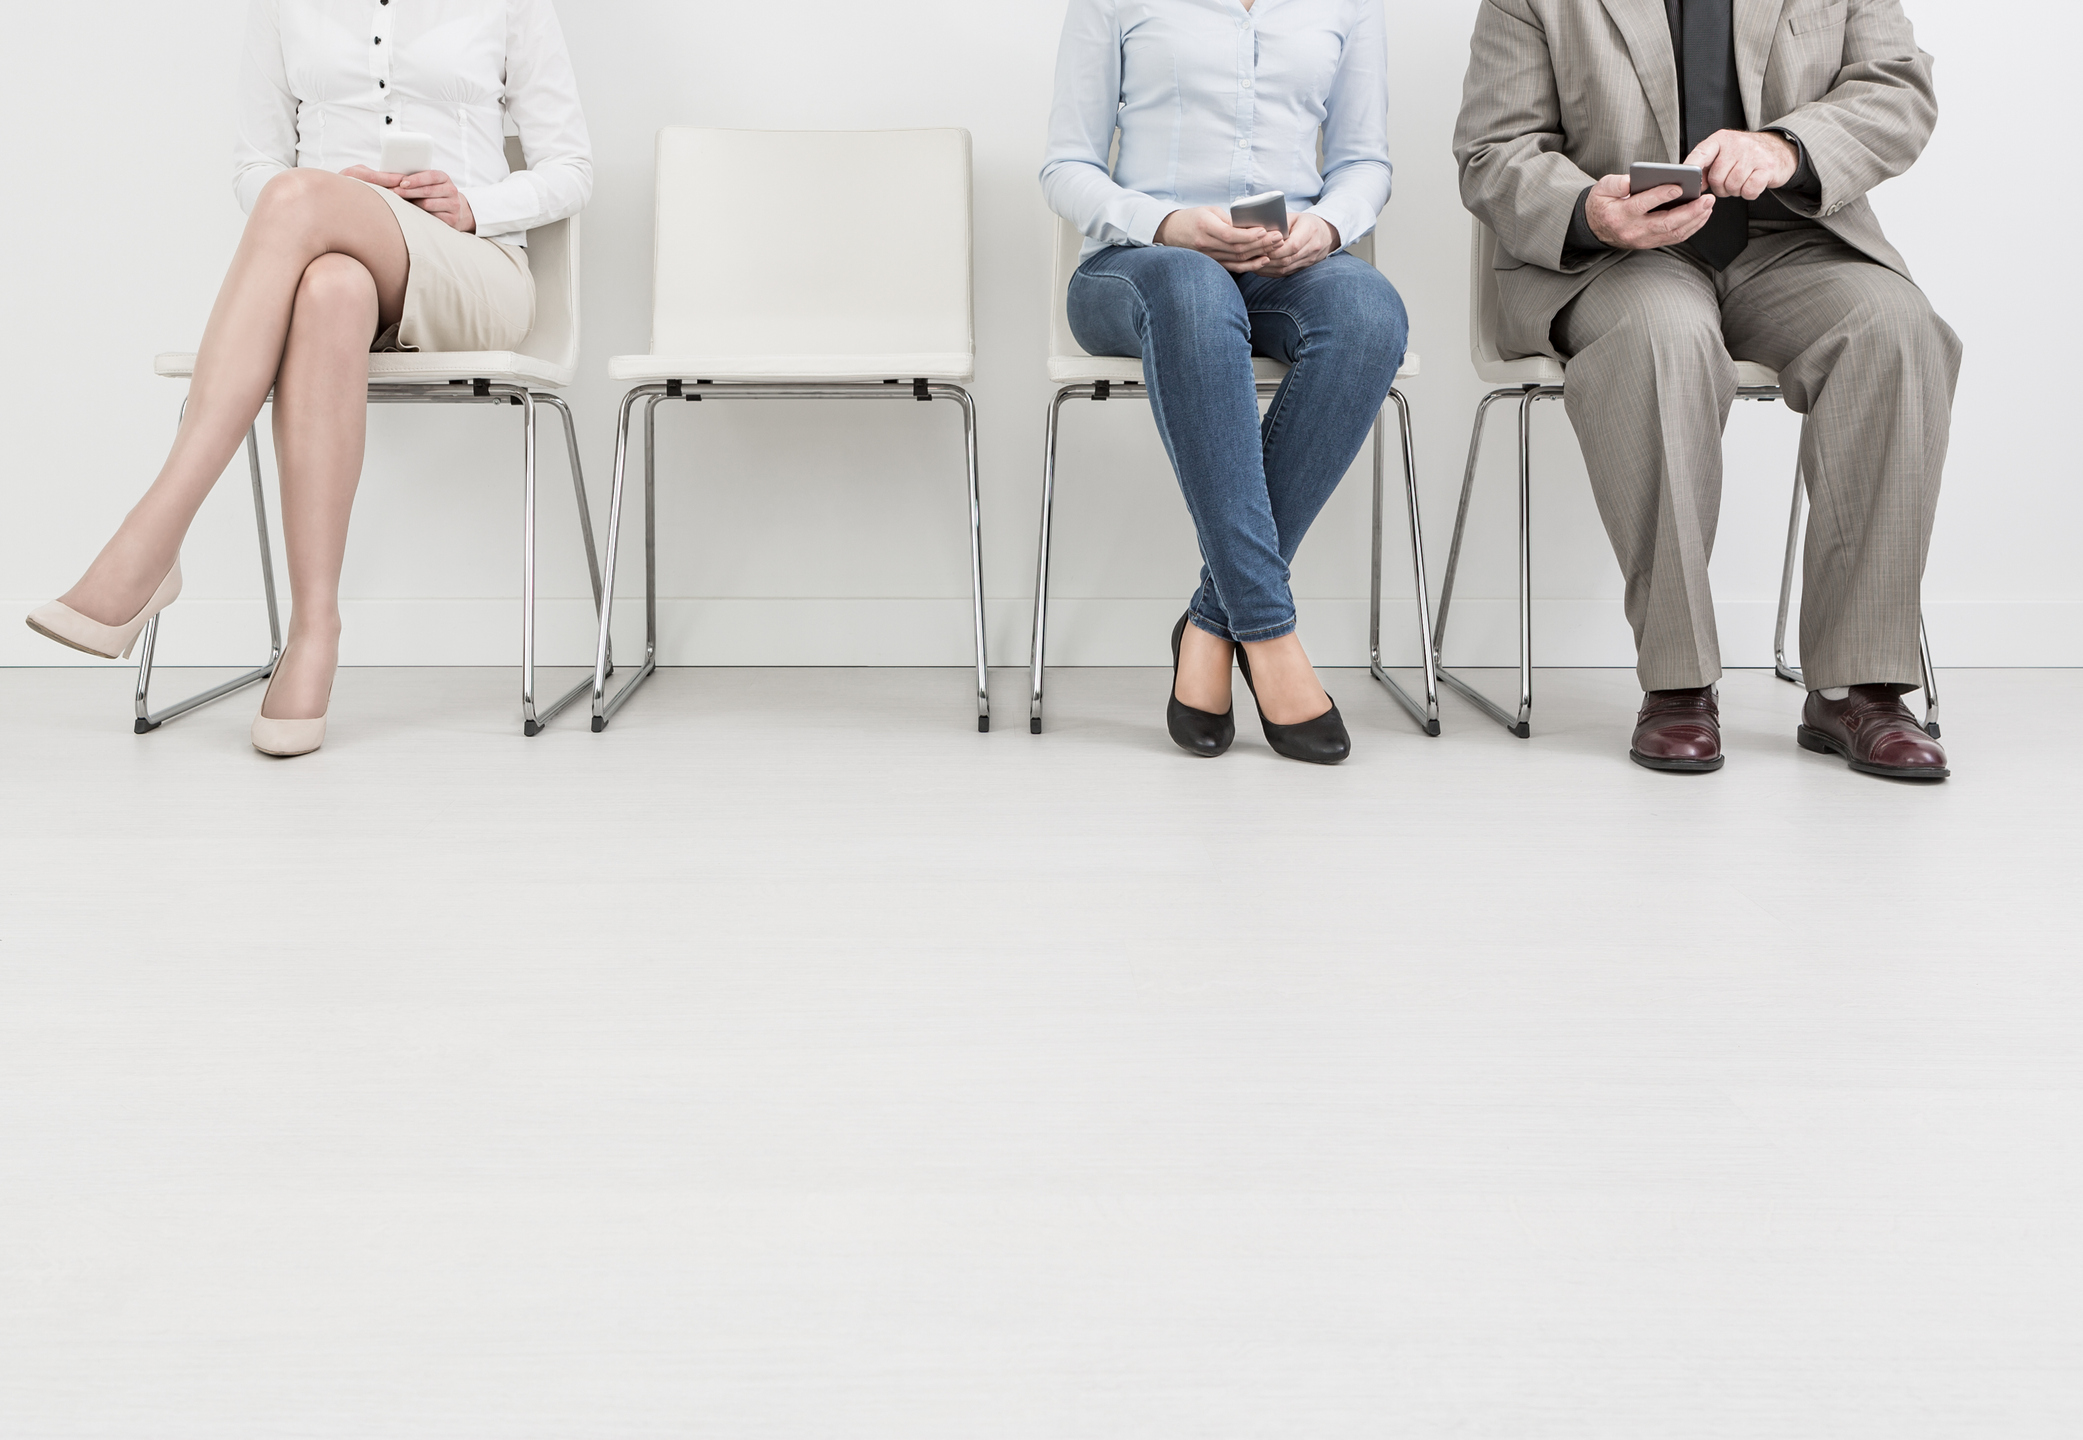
[(1322, 741), (1196, 731)]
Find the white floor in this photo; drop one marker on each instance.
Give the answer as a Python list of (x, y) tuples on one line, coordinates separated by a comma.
[(793, 1061)]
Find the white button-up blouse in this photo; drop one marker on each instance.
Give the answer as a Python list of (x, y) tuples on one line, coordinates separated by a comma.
[(1215, 102), (323, 79)]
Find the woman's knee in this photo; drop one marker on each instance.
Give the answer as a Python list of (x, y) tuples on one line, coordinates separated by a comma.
[(1363, 316), (336, 285), (297, 199), (1187, 284)]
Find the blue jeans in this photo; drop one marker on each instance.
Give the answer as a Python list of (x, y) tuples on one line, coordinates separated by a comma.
[(1253, 487)]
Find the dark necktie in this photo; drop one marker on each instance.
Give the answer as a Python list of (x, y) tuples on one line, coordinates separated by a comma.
[(1713, 101)]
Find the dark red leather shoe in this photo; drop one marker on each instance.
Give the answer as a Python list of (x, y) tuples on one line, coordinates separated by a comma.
[(1874, 732), (1678, 730)]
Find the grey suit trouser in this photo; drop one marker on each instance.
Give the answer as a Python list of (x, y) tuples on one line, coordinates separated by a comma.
[(1858, 351)]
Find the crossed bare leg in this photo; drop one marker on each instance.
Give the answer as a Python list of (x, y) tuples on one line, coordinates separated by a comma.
[(319, 272)]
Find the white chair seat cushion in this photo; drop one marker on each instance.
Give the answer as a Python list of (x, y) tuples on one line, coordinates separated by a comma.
[(795, 369), (505, 367), (1540, 370), (1090, 369)]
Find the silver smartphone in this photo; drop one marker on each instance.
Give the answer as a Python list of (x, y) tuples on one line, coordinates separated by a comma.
[(1261, 212), (1644, 175), (406, 153)]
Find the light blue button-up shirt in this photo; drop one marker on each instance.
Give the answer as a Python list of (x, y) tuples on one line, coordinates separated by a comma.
[(1215, 103)]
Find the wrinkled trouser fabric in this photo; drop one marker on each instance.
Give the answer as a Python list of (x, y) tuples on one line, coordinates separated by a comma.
[(1653, 343)]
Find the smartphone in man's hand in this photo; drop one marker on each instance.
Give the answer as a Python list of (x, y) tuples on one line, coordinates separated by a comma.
[(1690, 179)]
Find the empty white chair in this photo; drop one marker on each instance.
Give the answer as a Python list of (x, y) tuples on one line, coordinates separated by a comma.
[(1531, 380), (546, 361), (791, 310), (1082, 376)]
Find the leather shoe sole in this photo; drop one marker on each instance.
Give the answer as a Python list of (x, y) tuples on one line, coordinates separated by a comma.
[(1678, 767), (1821, 744)]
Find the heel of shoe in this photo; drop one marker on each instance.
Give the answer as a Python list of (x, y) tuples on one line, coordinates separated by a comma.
[(1814, 740)]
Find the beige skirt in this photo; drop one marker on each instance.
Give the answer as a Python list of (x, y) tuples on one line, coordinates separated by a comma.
[(463, 292)]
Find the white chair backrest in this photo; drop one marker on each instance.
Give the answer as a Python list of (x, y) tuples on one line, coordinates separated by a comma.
[(553, 259), (812, 242), (1069, 243), (1482, 296)]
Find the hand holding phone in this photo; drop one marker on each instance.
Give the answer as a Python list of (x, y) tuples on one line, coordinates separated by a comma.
[(1626, 216), (1261, 212), (406, 152), (1646, 175)]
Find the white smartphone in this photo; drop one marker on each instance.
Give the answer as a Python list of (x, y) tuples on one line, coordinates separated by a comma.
[(1261, 212), (406, 152), (1644, 175)]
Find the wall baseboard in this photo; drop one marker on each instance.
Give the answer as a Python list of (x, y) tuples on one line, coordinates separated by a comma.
[(1112, 631)]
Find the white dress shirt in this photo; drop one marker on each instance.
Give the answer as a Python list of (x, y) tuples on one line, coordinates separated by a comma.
[(323, 79), (1215, 103)]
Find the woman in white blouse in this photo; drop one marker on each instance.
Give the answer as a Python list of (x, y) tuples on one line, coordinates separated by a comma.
[(1215, 101), (339, 258)]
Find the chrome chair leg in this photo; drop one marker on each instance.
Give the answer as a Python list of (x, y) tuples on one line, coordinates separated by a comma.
[(1427, 715), (604, 707), (146, 721), (1930, 678), (534, 722), (1780, 667), (976, 550), (1520, 724), (1792, 673), (1038, 646)]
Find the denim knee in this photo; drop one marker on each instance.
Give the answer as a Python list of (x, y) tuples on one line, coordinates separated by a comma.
[(1185, 287), (1372, 330)]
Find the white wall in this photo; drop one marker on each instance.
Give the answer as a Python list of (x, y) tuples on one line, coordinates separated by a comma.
[(807, 534)]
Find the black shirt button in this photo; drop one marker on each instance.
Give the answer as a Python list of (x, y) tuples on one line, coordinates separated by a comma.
[(379, 85), (379, 39), (386, 119)]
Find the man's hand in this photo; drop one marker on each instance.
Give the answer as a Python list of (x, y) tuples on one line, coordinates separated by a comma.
[(1745, 164), (436, 194), (1308, 241), (1632, 222), (1208, 230)]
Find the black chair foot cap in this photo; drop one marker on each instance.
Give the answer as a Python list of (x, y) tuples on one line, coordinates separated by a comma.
[(1432, 728), (1034, 725), (599, 724), (144, 727), (1524, 732), (1931, 729), (530, 729), (983, 724)]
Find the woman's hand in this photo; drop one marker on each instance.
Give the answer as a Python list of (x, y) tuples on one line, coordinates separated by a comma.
[(436, 194), (1208, 230), (1308, 241)]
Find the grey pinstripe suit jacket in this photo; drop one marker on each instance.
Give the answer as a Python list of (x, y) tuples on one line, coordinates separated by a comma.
[(1562, 92)]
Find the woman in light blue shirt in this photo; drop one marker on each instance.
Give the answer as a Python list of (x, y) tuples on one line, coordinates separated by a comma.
[(1216, 100)]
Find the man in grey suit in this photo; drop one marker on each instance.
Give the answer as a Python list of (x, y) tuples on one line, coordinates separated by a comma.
[(1794, 109)]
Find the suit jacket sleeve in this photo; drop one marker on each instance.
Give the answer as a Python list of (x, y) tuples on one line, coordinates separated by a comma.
[(1875, 120), (1509, 141)]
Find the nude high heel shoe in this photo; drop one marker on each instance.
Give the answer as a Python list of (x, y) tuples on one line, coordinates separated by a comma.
[(286, 738), (60, 622)]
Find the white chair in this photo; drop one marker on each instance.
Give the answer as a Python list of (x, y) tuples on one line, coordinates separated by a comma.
[(1531, 380), (546, 361), (1082, 376), (786, 311)]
